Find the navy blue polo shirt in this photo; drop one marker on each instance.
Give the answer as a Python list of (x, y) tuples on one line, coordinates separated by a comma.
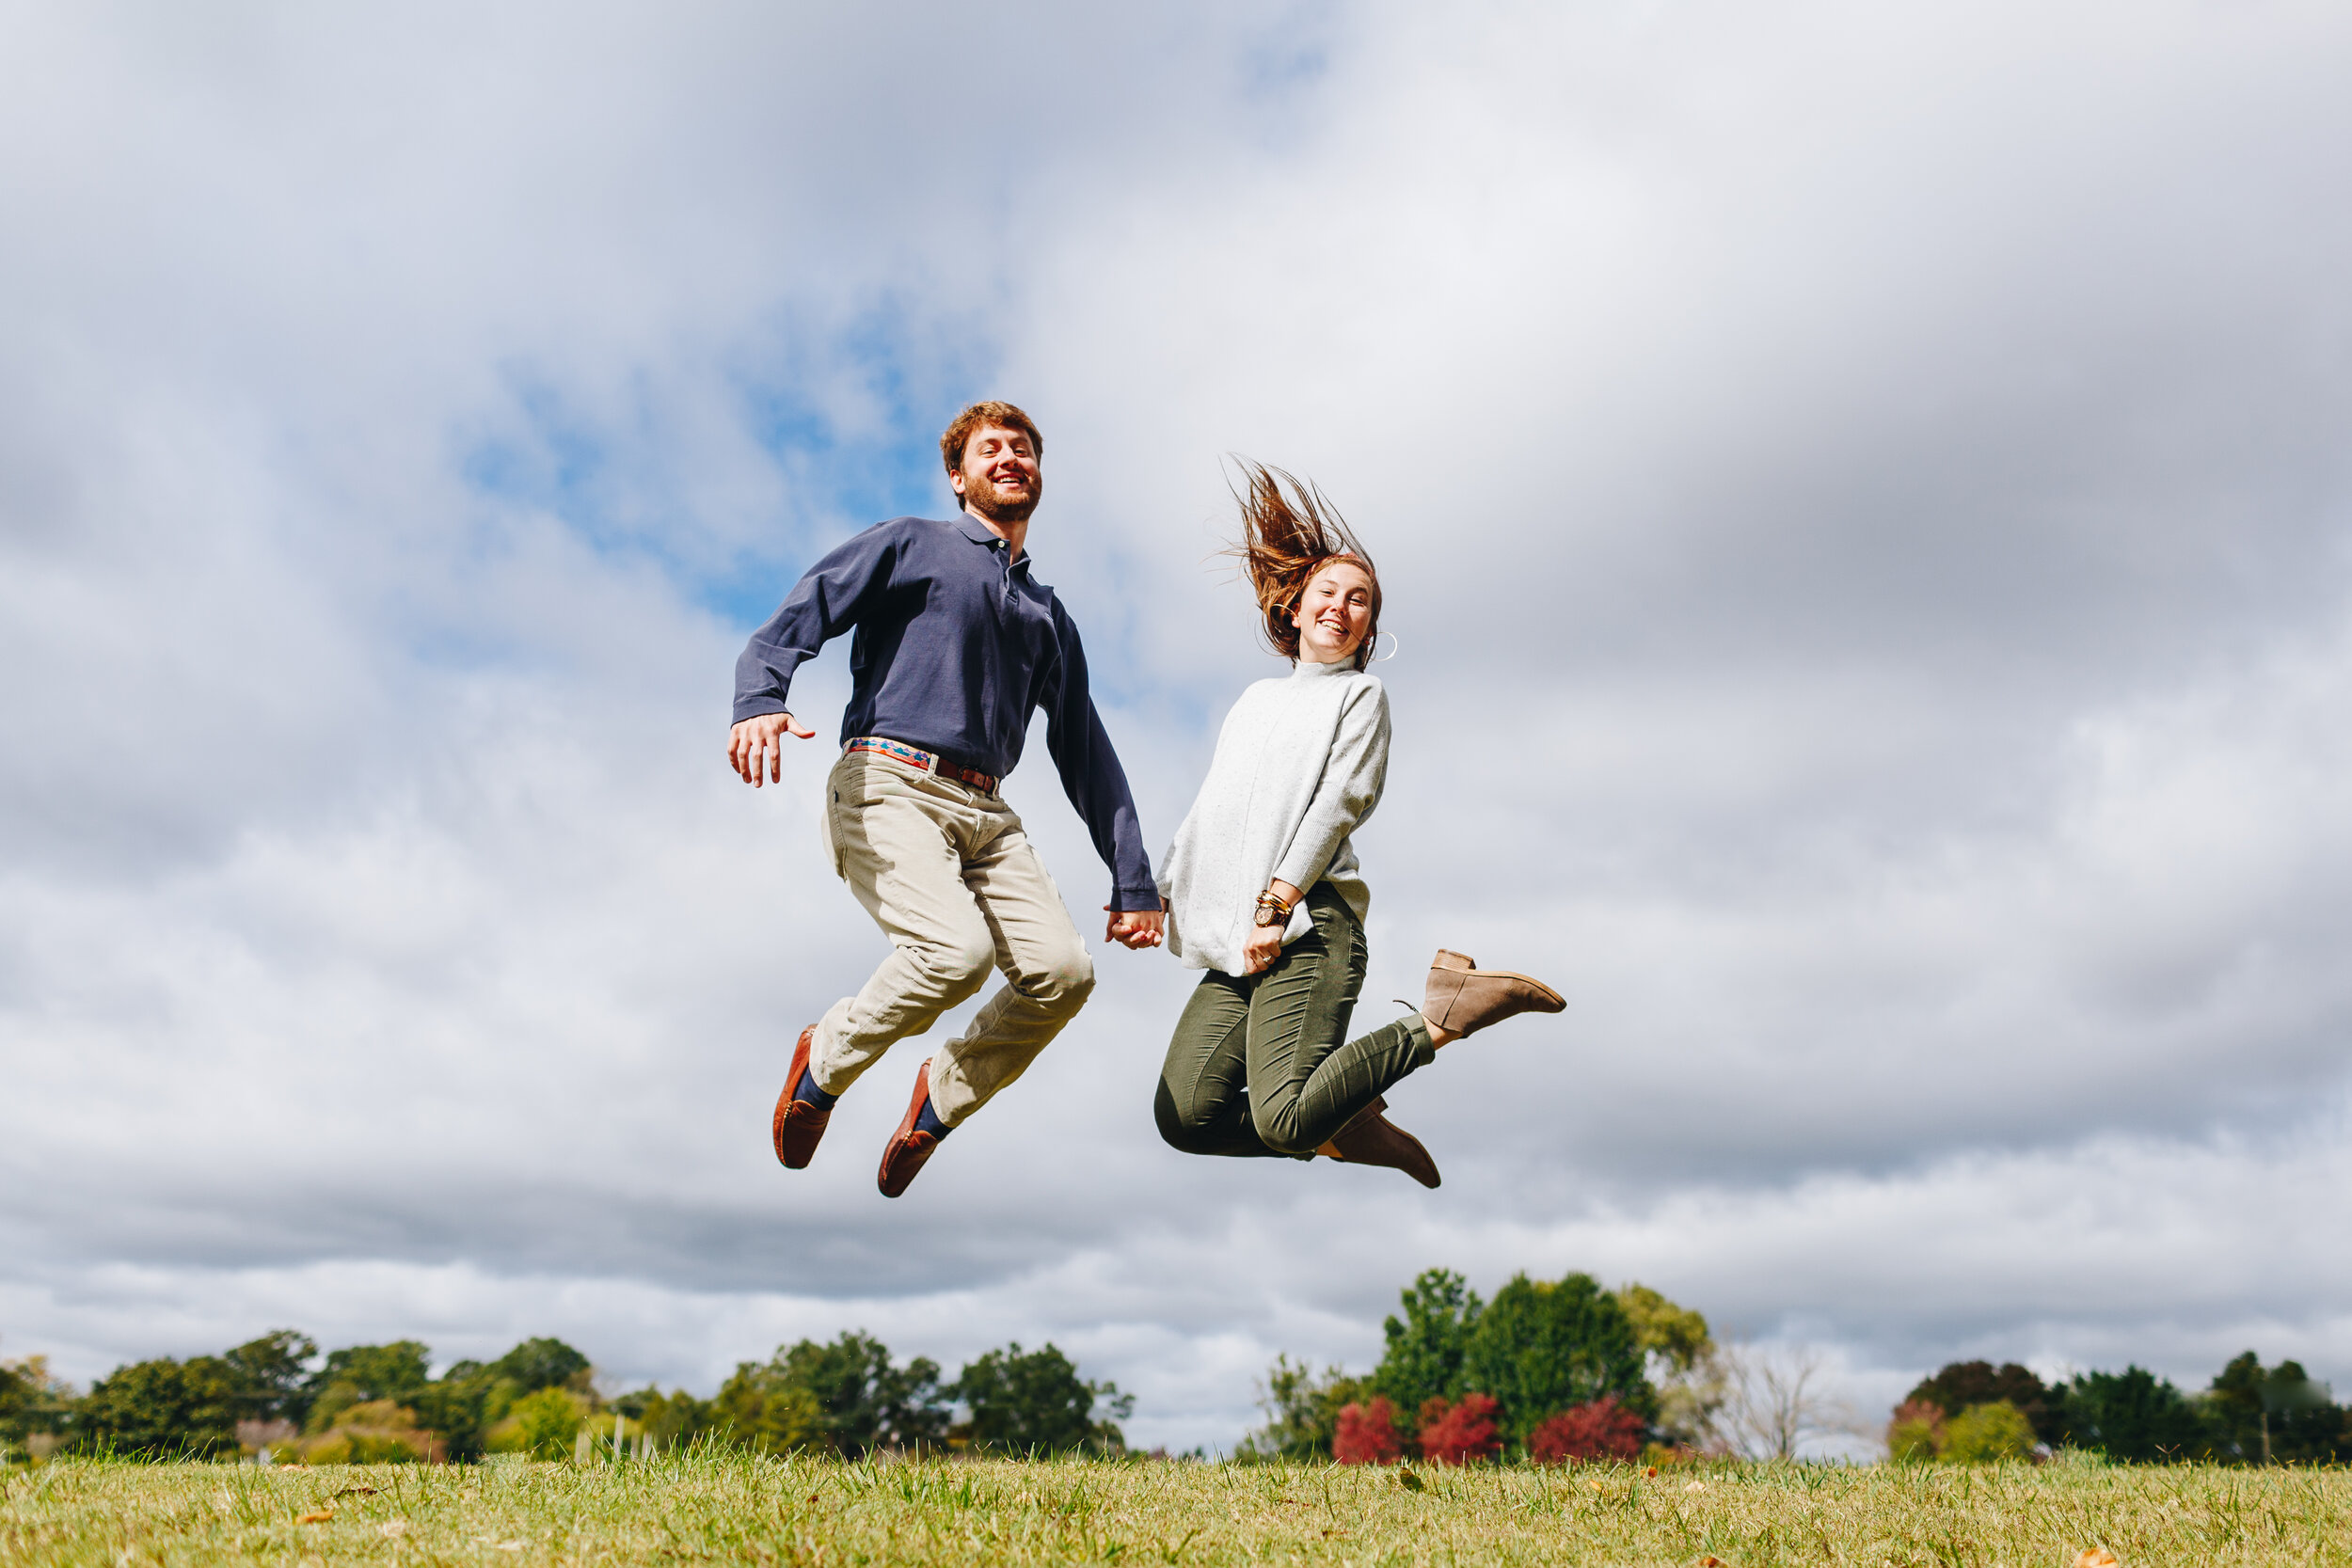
[(955, 645)]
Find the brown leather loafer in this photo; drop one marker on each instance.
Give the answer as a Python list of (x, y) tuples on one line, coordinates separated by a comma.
[(798, 1124), (1464, 998), (1371, 1139), (904, 1155)]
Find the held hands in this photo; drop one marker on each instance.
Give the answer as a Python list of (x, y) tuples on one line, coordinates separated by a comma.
[(755, 747), (1135, 928)]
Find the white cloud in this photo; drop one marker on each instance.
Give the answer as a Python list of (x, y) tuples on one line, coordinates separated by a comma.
[(1860, 499)]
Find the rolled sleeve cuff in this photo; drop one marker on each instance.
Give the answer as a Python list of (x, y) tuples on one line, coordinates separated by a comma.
[(1128, 900), (1301, 874), (752, 707)]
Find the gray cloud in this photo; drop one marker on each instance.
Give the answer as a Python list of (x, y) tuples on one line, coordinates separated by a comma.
[(1860, 499)]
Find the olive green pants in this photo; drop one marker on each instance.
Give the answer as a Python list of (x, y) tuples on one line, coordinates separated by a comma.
[(1257, 1067)]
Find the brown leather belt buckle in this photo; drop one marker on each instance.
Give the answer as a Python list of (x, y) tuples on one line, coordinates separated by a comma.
[(984, 782)]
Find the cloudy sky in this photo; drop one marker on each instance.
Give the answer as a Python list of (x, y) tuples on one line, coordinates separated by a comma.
[(1863, 494)]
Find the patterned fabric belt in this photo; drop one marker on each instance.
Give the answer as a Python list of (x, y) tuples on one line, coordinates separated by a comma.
[(914, 757)]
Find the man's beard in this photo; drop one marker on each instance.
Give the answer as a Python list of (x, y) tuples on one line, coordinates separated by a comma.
[(990, 500)]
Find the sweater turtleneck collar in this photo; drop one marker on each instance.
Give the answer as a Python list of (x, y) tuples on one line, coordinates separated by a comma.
[(1308, 669)]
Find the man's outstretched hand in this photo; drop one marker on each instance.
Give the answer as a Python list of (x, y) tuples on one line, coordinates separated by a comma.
[(755, 747), (1136, 929)]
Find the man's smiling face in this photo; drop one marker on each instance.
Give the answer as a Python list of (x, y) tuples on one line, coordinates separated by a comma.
[(999, 478)]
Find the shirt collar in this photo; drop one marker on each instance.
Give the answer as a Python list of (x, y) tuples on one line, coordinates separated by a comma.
[(979, 533), (973, 529)]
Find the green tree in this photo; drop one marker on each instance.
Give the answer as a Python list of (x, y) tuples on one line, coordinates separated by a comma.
[(672, 1418), (865, 1401), (2278, 1415), (1986, 1434), (2133, 1416), (845, 1396), (1962, 1384), (1302, 1410), (1678, 1335), (757, 1409), (273, 1376), (359, 1374), (472, 1397), (1914, 1436), (1035, 1401), (32, 1401), (1423, 1357), (376, 1432), (164, 1409), (1683, 1363), (1540, 1348), (546, 1421), (542, 1363)]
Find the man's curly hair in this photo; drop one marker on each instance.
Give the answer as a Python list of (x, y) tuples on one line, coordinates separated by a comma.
[(959, 429)]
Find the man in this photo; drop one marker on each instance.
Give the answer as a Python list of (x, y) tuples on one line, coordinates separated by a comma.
[(957, 644)]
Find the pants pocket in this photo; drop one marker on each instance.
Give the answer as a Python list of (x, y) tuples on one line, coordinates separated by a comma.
[(835, 851)]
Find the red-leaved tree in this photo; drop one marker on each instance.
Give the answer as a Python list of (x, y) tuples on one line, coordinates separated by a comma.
[(1601, 1430), (1366, 1436), (1462, 1433)]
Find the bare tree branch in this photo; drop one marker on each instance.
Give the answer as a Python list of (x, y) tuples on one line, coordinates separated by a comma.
[(1777, 1398)]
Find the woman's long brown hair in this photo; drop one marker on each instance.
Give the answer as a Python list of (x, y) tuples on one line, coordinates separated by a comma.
[(1290, 531)]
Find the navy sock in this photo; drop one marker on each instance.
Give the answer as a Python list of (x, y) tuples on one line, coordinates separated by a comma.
[(807, 1092), (927, 1121)]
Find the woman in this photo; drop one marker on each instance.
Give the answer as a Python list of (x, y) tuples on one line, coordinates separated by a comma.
[(1263, 890)]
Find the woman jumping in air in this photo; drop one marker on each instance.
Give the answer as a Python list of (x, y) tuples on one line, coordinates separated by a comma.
[(1263, 890)]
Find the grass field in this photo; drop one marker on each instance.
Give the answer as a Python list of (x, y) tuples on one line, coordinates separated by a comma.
[(714, 1508)]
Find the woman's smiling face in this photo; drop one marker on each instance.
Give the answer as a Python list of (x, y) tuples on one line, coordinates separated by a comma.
[(1332, 613)]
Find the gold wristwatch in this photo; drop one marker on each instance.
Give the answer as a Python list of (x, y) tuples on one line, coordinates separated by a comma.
[(1272, 911)]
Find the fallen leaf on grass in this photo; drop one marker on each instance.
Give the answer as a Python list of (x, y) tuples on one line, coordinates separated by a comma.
[(1710, 1563), (1341, 1533), (357, 1492), (318, 1518), (2097, 1557), (1651, 1472)]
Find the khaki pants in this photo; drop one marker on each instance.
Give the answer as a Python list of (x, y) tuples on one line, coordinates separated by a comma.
[(947, 874)]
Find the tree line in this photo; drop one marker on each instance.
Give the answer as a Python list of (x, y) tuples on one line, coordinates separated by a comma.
[(1973, 1412), (278, 1398), (1564, 1370), (1550, 1370)]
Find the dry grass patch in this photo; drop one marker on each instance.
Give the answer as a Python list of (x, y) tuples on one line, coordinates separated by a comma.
[(723, 1508)]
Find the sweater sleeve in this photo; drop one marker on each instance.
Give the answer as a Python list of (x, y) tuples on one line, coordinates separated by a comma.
[(1353, 776), (822, 605)]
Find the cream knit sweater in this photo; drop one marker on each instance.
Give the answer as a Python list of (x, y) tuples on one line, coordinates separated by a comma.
[(1299, 764)]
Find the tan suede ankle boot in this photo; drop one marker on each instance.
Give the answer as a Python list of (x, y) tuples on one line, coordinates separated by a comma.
[(1371, 1139), (1464, 998)]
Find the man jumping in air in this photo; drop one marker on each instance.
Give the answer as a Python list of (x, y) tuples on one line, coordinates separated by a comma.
[(957, 644)]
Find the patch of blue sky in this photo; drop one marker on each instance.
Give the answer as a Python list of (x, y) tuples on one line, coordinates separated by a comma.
[(856, 425), (1280, 69), (847, 418), (609, 479)]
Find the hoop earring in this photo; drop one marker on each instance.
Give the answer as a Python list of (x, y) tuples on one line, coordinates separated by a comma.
[(1396, 645)]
